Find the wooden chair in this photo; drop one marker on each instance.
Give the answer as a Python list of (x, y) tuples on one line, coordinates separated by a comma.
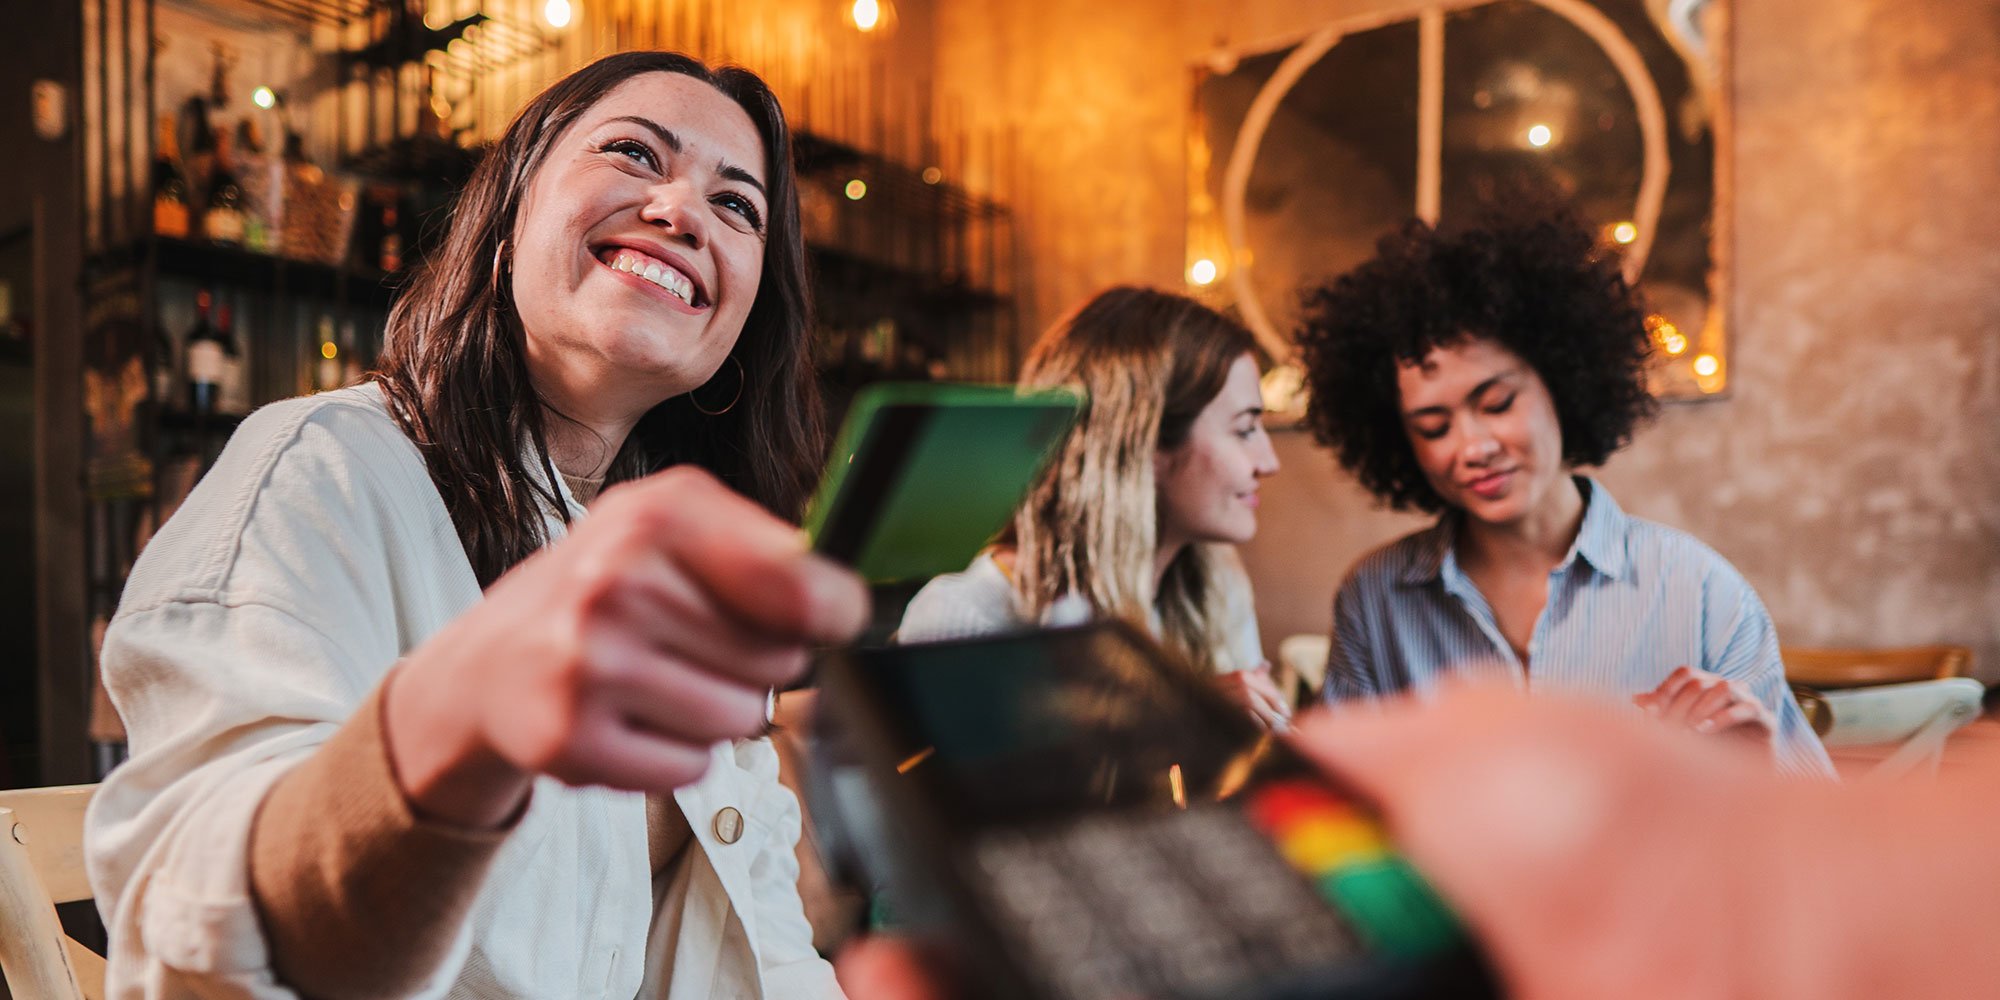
[(1303, 658), (1910, 699), (1833, 669), (41, 864)]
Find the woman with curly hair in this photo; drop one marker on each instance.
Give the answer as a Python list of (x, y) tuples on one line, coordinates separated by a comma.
[(1136, 514), (1471, 376)]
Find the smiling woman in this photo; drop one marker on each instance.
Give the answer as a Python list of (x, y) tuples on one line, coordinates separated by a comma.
[(1476, 374), (392, 697), (1136, 514)]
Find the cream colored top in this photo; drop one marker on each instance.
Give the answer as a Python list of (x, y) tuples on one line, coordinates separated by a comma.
[(981, 601), (263, 615)]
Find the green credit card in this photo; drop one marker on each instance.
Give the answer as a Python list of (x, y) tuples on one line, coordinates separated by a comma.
[(924, 474)]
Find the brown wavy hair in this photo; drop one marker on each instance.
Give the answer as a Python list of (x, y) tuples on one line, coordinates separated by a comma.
[(1148, 363), (455, 369)]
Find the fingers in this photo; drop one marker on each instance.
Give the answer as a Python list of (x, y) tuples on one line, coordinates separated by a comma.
[(1749, 718), (1255, 691), (673, 698), (755, 566), (1680, 691), (1716, 697), (672, 614), (885, 969), (1268, 702), (627, 757), (1705, 703)]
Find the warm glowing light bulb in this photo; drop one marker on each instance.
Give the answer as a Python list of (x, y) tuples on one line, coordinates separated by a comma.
[(1706, 365), (1539, 136), (856, 189), (1202, 272), (557, 13), (1624, 232), (328, 350), (867, 14), (264, 97)]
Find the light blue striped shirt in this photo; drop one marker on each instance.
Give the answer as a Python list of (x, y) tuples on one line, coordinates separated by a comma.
[(1631, 601)]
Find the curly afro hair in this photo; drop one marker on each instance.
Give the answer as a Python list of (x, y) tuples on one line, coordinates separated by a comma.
[(1537, 286)]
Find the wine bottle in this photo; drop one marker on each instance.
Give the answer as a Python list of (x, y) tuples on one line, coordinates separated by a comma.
[(170, 190), (206, 356), (163, 366), (199, 166), (233, 394), (224, 217)]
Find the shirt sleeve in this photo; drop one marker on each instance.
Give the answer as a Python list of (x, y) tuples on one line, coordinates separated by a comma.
[(359, 896), (1350, 665), (1244, 642), (170, 831), (254, 626), (975, 603), (1743, 646)]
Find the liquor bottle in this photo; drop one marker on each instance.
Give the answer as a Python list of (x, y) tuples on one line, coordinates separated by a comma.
[(233, 395), (206, 357), (170, 190), (199, 166), (260, 177), (223, 218), (163, 366)]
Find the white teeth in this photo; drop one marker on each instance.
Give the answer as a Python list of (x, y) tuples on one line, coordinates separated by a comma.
[(652, 270)]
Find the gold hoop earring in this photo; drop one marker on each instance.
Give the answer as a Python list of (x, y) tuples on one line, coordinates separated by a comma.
[(499, 253), (740, 379)]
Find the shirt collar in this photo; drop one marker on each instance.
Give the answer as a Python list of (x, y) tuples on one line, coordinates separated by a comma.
[(1600, 541)]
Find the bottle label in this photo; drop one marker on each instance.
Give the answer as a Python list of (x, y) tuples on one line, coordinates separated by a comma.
[(224, 225), (205, 362), (170, 217)]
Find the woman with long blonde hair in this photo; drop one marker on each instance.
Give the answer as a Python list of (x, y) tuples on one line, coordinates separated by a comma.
[(1136, 514)]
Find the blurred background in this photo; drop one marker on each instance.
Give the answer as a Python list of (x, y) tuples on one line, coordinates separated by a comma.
[(212, 205)]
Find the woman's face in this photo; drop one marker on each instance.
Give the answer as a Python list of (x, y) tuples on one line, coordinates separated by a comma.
[(639, 246), (1484, 429), (1208, 484)]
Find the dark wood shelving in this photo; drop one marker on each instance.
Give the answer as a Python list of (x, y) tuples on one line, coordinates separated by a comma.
[(838, 271), (181, 421), (212, 263)]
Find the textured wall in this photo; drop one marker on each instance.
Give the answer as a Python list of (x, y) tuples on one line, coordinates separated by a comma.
[(1854, 472)]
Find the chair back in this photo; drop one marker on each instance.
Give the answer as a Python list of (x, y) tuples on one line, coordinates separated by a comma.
[(41, 864), (1831, 669), (1304, 656)]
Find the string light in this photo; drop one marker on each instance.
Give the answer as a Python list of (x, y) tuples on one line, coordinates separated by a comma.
[(1624, 233), (867, 14), (933, 175), (1707, 365), (1202, 272), (1540, 136), (557, 13), (264, 97), (857, 189)]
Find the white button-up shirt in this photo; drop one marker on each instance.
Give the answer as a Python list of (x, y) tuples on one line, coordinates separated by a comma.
[(311, 558)]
